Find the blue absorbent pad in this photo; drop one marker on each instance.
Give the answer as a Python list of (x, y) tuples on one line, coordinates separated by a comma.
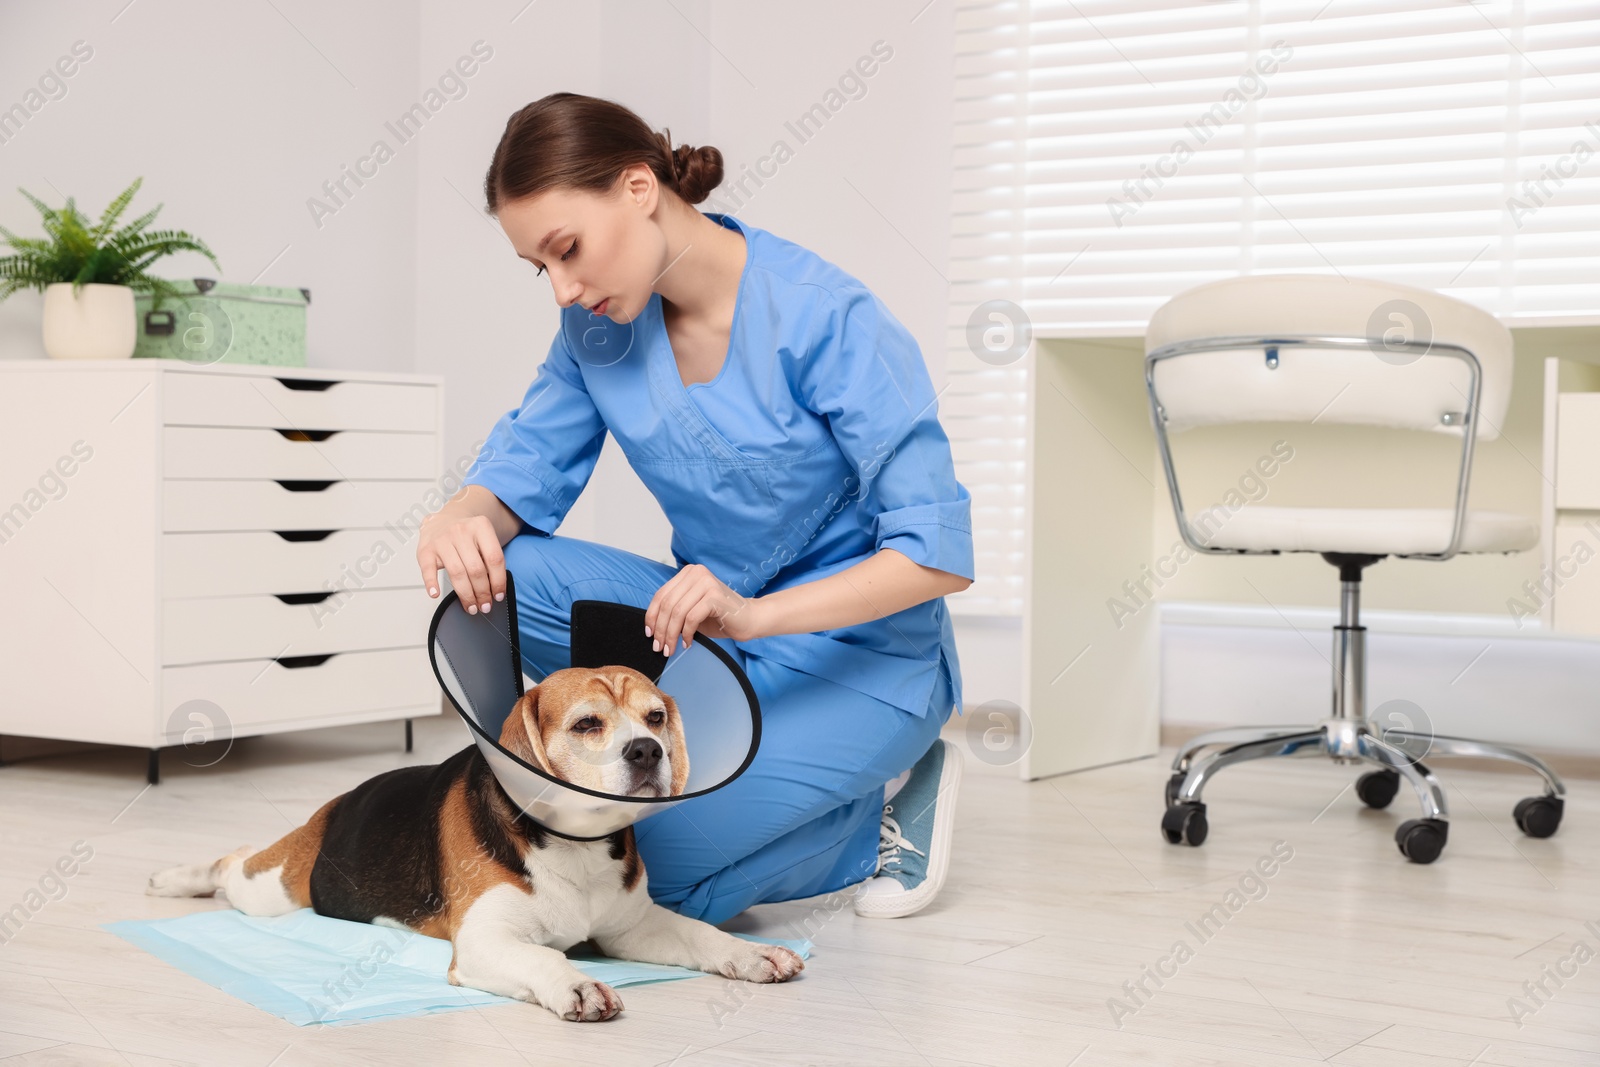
[(309, 968)]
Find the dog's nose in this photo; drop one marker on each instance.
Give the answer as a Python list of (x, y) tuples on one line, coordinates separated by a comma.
[(643, 752)]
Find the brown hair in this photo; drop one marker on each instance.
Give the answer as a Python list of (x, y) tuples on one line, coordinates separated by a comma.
[(566, 140)]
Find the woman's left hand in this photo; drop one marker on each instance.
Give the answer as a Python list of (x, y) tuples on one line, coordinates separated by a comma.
[(695, 601)]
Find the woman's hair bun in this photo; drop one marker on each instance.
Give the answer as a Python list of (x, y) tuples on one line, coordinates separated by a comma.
[(695, 171), (571, 141)]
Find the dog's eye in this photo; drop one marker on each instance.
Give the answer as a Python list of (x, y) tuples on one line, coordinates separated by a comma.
[(586, 724), (656, 718)]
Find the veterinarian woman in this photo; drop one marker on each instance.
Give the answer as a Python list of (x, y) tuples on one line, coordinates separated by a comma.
[(786, 423)]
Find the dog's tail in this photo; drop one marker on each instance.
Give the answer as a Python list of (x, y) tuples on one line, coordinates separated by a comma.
[(196, 879)]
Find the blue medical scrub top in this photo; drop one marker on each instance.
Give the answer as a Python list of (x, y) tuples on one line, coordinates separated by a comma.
[(817, 444)]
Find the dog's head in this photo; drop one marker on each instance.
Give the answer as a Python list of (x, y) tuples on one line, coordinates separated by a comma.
[(605, 728)]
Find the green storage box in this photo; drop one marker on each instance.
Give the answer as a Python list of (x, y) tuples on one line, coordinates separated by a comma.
[(218, 322)]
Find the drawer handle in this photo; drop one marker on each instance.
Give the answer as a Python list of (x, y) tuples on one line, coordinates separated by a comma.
[(304, 598), (305, 485), (295, 662), (304, 535), (308, 435), (314, 385)]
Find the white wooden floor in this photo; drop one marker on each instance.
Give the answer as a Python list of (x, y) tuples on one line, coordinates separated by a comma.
[(1060, 892)]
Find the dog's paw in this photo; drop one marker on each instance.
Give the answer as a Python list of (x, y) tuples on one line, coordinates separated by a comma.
[(586, 1002), (756, 962), (189, 880)]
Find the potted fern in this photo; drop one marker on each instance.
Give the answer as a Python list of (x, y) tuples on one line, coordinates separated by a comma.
[(89, 274)]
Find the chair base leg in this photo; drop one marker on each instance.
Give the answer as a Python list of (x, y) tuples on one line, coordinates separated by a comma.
[(1231, 736), (1436, 746), (1397, 753)]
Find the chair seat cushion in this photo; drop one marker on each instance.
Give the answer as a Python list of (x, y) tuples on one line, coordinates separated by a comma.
[(1372, 531)]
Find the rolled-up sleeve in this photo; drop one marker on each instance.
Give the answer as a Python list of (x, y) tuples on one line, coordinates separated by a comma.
[(539, 456), (865, 374)]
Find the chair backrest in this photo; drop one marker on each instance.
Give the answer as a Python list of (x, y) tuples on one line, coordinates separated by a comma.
[(1379, 381)]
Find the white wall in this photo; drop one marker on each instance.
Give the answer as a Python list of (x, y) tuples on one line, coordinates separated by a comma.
[(235, 115), (482, 318), (869, 191), (1488, 682)]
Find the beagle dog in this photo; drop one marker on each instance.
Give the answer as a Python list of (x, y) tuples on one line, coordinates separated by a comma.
[(442, 850)]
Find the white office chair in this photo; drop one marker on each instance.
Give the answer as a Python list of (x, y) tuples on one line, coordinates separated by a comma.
[(1315, 348)]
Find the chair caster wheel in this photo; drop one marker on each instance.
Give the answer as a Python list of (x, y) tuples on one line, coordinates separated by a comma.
[(1538, 816), (1174, 784), (1377, 788), (1185, 824), (1421, 840)]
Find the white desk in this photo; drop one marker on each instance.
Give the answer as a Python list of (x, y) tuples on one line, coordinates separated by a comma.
[(1566, 595), (1089, 681), (1098, 515)]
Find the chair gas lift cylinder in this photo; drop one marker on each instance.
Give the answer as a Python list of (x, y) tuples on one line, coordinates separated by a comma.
[(1277, 348)]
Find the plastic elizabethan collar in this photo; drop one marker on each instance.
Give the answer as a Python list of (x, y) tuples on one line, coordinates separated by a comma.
[(478, 661)]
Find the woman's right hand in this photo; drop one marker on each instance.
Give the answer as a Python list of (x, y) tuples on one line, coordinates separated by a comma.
[(463, 541)]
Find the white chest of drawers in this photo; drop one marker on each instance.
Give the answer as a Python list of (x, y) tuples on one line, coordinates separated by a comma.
[(195, 553)]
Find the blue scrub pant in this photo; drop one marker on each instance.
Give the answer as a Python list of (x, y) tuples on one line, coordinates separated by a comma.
[(803, 818)]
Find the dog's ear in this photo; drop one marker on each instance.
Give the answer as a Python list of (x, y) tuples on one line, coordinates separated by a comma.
[(680, 748), (521, 734)]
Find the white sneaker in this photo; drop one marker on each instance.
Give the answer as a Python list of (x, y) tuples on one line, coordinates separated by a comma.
[(914, 838)]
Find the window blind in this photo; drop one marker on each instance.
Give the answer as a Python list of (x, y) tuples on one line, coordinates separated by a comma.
[(1109, 154)]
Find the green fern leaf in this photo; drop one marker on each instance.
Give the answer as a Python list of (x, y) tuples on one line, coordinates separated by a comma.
[(115, 209)]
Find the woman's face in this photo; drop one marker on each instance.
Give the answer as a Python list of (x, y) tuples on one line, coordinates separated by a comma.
[(592, 248)]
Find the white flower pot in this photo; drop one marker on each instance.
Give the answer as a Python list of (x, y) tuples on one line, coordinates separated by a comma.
[(97, 323)]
